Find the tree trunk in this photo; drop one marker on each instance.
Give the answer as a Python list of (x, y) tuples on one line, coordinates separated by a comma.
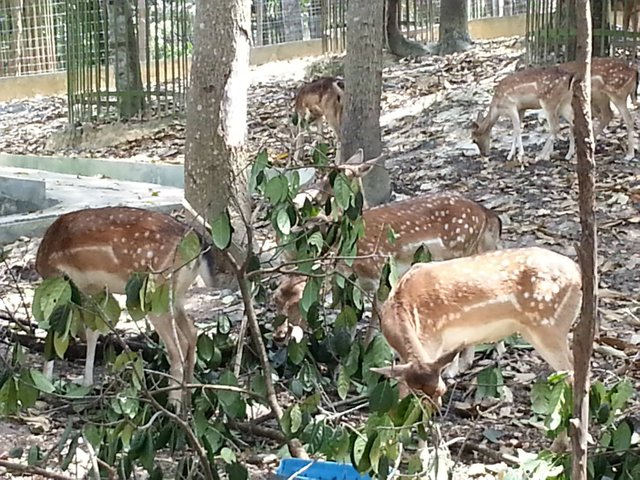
[(363, 80), (292, 15), (585, 330), (398, 44), (126, 59), (216, 163), (454, 27), (315, 18)]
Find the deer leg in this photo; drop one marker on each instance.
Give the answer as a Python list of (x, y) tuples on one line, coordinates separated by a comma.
[(621, 105), (92, 337), (517, 136), (188, 341), (168, 332), (566, 110), (605, 114), (554, 126)]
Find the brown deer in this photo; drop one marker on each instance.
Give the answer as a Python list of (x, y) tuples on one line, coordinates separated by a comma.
[(440, 308), (315, 101), (448, 225), (534, 88), (612, 80), (101, 248)]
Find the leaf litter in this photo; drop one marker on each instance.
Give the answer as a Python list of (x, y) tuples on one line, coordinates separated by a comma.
[(427, 106)]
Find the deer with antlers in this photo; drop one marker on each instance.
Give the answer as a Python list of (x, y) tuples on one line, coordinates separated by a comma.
[(437, 309), (448, 225), (101, 248), (317, 101), (546, 88), (612, 81)]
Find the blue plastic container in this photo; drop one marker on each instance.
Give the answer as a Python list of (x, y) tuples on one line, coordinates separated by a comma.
[(320, 470)]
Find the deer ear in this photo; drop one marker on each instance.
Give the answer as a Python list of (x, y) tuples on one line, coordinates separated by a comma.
[(397, 371), (356, 158)]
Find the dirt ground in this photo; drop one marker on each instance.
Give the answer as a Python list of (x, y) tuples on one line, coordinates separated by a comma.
[(427, 106)]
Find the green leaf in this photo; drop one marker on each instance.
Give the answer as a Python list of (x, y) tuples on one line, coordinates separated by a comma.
[(34, 456), (383, 397), (353, 360), (297, 351), (347, 318), (296, 418), (53, 291), (310, 295), (227, 455), (231, 402), (41, 382), (237, 471), (133, 289), (160, 299), (342, 191), (316, 240), (221, 230), (257, 170), (60, 344), (343, 382), (622, 437), (283, 222), (189, 247), (277, 189)]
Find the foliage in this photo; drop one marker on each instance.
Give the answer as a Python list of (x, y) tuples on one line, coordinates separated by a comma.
[(130, 426)]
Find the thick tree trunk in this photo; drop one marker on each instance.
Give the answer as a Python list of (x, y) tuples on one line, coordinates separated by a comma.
[(586, 328), (126, 59), (363, 80), (292, 15), (454, 27), (398, 44), (216, 163)]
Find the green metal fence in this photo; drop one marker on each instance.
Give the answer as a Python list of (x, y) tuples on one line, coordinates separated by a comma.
[(551, 31), (126, 60)]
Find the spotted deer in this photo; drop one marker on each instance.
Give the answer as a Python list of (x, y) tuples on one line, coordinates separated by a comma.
[(101, 248), (612, 80), (448, 225), (546, 88), (315, 101), (437, 309)]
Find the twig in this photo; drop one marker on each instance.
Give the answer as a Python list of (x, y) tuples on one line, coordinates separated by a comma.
[(93, 457), (494, 455), (295, 447), (241, 336), (33, 470), (259, 430)]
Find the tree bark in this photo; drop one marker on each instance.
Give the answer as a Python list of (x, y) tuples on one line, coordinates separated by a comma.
[(454, 27), (363, 80), (585, 330), (292, 15), (216, 163), (126, 59), (398, 44)]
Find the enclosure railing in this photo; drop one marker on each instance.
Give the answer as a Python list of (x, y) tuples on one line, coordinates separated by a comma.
[(551, 31)]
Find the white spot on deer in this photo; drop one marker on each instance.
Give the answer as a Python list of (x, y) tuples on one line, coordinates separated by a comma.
[(150, 254)]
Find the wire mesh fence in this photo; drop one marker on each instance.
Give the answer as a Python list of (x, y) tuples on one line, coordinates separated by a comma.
[(551, 30), (32, 36)]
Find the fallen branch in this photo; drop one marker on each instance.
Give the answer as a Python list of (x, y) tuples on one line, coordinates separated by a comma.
[(33, 470), (260, 431)]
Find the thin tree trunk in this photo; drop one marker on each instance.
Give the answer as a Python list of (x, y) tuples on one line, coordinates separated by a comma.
[(126, 59), (454, 27), (398, 44), (216, 161), (586, 328), (363, 80)]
